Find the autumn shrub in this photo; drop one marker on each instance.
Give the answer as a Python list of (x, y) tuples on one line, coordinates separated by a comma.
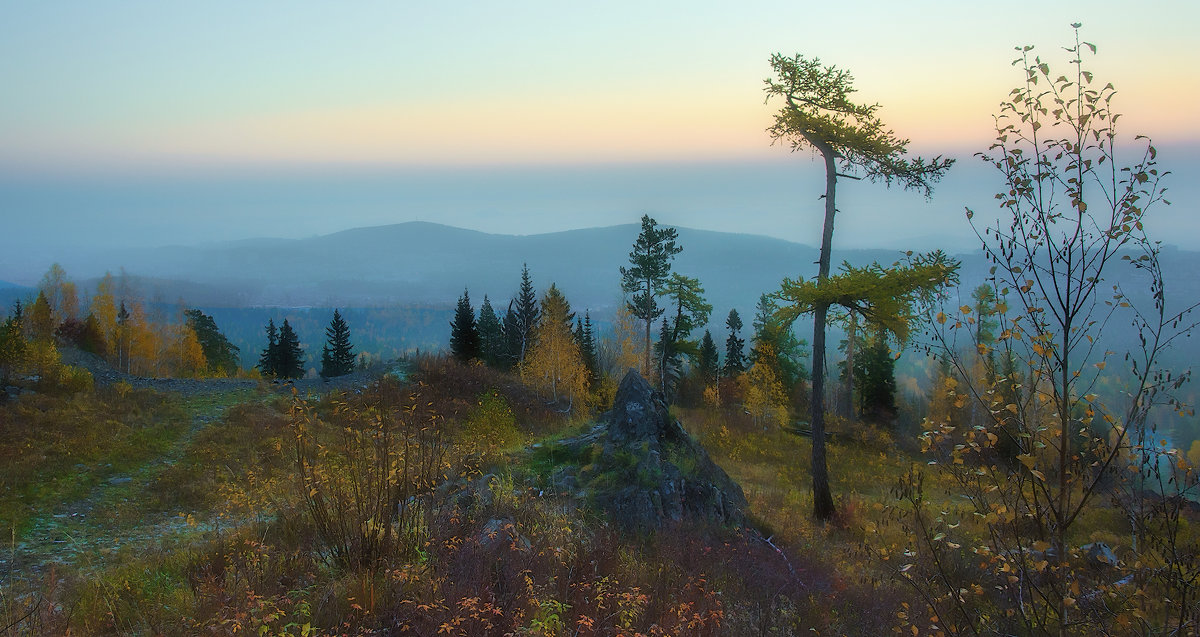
[(366, 472), (491, 424)]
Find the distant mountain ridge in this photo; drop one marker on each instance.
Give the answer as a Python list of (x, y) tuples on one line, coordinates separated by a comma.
[(426, 263), (423, 262)]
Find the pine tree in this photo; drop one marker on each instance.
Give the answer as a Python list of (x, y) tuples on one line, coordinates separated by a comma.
[(337, 357), (291, 357), (735, 361), (268, 362), (464, 333), (527, 313), (586, 336), (12, 344), (513, 338), (92, 339), (651, 258), (786, 353), (817, 113), (222, 356), (41, 319), (875, 376), (669, 363), (708, 359), (491, 335)]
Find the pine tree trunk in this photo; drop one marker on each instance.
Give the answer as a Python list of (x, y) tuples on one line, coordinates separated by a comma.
[(649, 320), (847, 404), (823, 508)]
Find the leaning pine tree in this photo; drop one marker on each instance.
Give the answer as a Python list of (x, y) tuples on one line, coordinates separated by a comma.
[(817, 113), (337, 357)]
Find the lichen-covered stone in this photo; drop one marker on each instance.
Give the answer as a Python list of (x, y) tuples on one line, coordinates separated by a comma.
[(651, 471)]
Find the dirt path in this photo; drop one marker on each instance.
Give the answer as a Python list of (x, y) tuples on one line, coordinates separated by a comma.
[(94, 531), (117, 515)]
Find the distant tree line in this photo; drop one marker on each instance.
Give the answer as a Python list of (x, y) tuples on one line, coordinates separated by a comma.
[(117, 325)]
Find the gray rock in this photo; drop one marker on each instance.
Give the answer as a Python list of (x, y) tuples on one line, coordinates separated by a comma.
[(1099, 555), (651, 472)]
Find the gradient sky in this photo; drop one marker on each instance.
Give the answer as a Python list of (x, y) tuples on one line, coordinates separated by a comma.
[(122, 92), (92, 84)]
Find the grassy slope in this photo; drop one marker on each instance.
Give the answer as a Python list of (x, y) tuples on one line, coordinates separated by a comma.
[(243, 555)]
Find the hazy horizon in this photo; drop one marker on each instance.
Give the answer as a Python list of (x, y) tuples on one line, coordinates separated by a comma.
[(49, 218)]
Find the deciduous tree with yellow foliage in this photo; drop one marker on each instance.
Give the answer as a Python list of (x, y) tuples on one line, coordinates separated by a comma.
[(555, 365)]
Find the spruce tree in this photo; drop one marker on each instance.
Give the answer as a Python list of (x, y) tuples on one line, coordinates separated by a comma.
[(735, 361), (93, 337), (512, 338), (587, 346), (875, 376), (41, 319), (669, 361), (786, 351), (290, 357), (527, 312), (268, 361), (491, 335), (464, 333), (708, 358), (337, 357)]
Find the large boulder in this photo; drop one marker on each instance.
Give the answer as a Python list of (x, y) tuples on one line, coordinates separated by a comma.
[(649, 471)]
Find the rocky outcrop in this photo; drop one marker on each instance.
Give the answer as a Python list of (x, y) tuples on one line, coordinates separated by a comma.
[(646, 471)]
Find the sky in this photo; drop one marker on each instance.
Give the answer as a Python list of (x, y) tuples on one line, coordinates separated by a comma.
[(158, 123)]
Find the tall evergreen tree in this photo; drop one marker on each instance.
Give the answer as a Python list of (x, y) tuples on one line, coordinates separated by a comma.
[(513, 338), (464, 333), (708, 358), (668, 359), (268, 361), (586, 335), (220, 354), (491, 335), (735, 358), (527, 313), (12, 344), (786, 351), (92, 339), (875, 376), (41, 319), (650, 259), (337, 357), (291, 357), (817, 113)]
